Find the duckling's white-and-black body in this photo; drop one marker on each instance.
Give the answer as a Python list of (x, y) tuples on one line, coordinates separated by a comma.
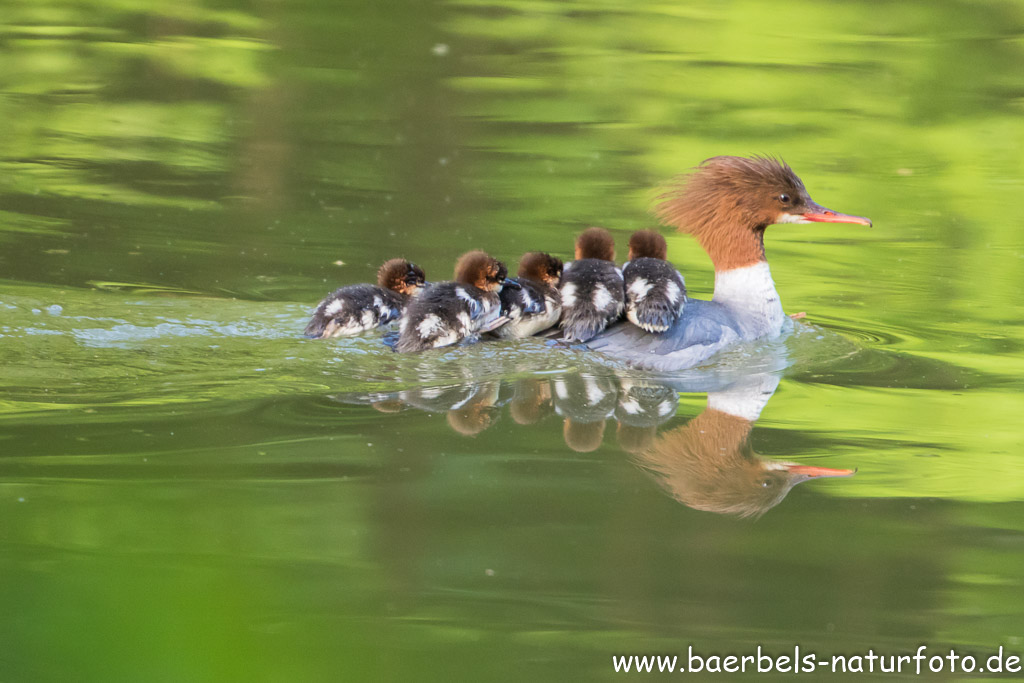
[(591, 287), (655, 291), (355, 309), (537, 305), (448, 312)]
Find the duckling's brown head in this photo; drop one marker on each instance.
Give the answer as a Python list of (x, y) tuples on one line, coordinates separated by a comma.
[(540, 267), (595, 243), (401, 276), (480, 270), (647, 243)]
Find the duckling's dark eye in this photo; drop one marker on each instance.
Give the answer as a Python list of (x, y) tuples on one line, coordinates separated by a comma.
[(784, 198)]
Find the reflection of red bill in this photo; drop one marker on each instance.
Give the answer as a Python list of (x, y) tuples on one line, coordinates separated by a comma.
[(810, 471)]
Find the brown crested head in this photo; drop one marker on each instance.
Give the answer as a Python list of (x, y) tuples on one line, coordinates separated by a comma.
[(479, 269), (649, 244), (540, 267), (401, 276), (727, 202), (751, 193), (595, 243)]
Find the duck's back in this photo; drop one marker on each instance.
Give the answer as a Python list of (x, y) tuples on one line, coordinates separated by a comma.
[(444, 314), (592, 296), (354, 309), (703, 329), (531, 309)]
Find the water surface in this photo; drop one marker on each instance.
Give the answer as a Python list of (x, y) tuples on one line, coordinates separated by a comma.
[(192, 491)]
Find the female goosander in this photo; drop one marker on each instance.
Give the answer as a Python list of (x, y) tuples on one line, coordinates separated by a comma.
[(655, 291), (358, 308), (448, 312), (536, 306), (726, 203), (591, 288)]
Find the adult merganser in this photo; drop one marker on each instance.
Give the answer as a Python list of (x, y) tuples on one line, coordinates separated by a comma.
[(591, 288), (448, 312), (358, 308), (655, 291), (536, 306), (726, 203)]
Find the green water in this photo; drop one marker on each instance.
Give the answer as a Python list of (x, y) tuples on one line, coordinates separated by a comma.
[(190, 491)]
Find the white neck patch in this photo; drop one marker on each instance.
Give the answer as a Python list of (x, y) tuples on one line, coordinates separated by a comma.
[(746, 399), (749, 293)]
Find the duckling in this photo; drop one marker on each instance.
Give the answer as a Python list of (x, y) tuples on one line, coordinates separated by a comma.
[(448, 312), (591, 288), (536, 306), (655, 291), (358, 308)]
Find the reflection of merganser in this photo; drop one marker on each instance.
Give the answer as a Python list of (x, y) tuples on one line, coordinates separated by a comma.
[(358, 308), (709, 464), (655, 291), (448, 312), (536, 306), (591, 287), (727, 203)]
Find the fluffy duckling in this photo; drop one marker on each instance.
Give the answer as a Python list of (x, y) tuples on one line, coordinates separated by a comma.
[(592, 287), (536, 306), (448, 312), (655, 291), (358, 308)]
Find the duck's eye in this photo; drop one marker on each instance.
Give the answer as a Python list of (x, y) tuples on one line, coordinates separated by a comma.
[(766, 483), (784, 198)]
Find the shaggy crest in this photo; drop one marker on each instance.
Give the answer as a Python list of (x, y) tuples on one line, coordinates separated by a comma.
[(727, 202), (595, 243)]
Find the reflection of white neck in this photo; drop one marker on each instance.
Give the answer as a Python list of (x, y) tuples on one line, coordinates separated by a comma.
[(747, 398), (749, 293)]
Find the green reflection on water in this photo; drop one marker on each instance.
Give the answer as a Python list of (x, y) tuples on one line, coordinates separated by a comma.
[(185, 491)]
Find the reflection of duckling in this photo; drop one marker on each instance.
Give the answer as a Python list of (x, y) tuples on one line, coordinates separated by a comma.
[(583, 437), (531, 400), (358, 308), (642, 406), (388, 406), (635, 439), (655, 291), (591, 289), (708, 464), (585, 401), (439, 398), (448, 312), (537, 305), (478, 413)]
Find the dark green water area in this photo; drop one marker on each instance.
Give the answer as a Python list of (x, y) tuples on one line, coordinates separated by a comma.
[(192, 491)]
